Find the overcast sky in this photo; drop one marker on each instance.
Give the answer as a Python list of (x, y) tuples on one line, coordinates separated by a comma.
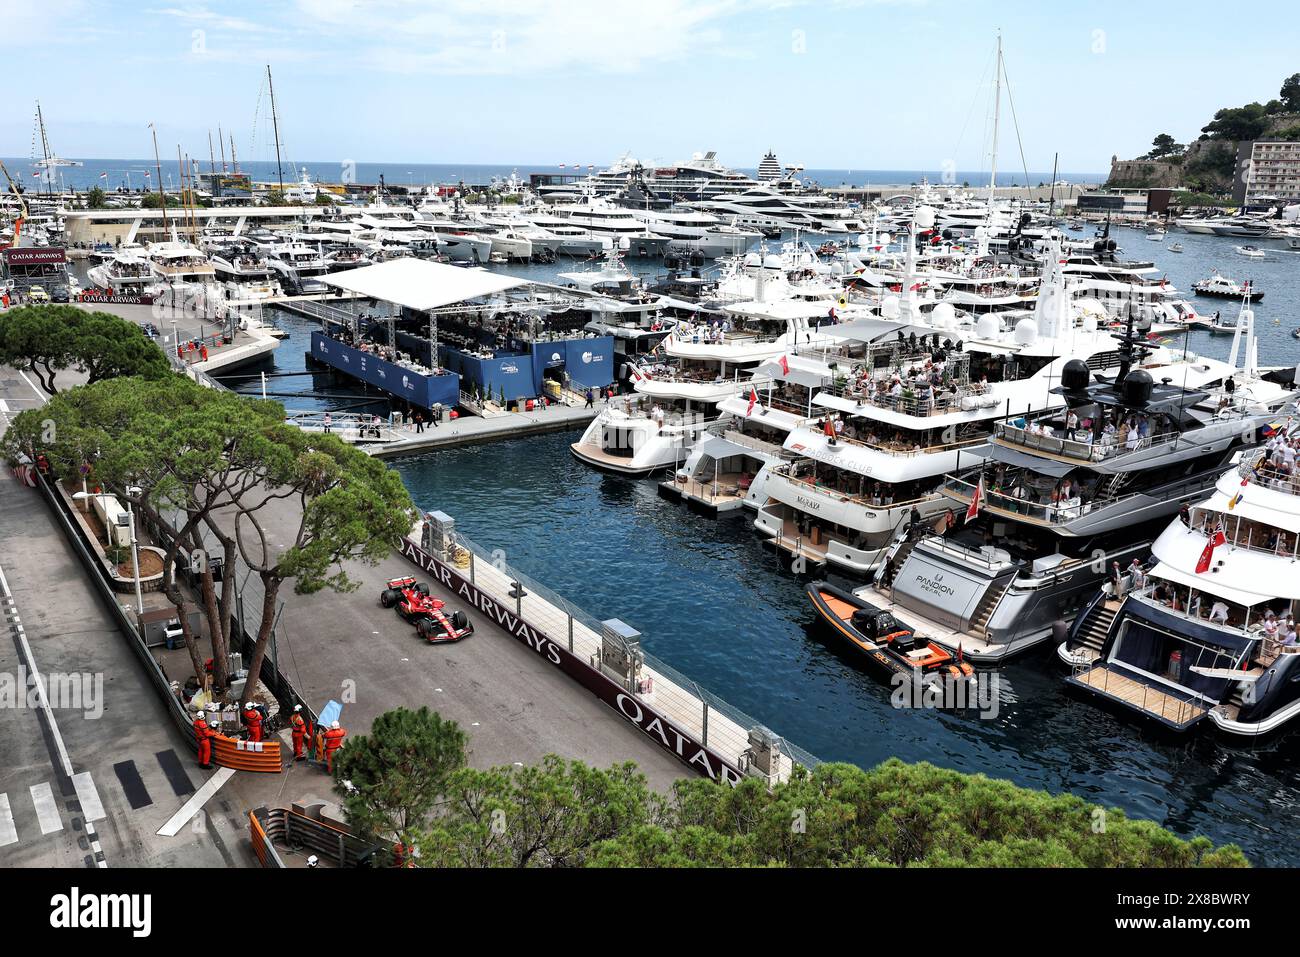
[(855, 84)]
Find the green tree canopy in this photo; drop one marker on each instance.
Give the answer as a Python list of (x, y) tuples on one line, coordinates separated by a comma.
[(1247, 122), (1164, 145), (45, 339), (397, 772), (154, 201), (292, 505), (1289, 94), (896, 815)]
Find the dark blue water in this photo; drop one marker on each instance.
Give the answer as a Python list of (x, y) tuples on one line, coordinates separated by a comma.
[(131, 172)]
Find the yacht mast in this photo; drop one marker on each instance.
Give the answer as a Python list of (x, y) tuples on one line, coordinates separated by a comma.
[(45, 149), (162, 192), (275, 126), (997, 116), (221, 145)]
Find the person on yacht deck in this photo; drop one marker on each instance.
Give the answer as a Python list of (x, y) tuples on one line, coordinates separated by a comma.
[(1219, 613)]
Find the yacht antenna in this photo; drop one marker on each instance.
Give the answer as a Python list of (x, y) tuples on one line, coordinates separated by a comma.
[(162, 191), (275, 127)]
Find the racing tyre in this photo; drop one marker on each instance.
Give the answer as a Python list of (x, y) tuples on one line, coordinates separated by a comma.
[(389, 597), (459, 620)]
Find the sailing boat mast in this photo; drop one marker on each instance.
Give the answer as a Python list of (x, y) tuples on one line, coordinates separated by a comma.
[(162, 192), (47, 170), (275, 127), (221, 145), (997, 116)]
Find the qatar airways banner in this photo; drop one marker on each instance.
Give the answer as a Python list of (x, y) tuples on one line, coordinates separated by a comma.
[(35, 256), (651, 723)]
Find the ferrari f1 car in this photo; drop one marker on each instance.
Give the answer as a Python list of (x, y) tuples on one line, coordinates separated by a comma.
[(414, 603)]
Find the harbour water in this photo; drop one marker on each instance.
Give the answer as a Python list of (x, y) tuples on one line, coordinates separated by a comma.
[(713, 603)]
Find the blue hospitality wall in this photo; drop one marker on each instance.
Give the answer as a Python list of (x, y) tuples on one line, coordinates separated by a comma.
[(589, 362), (424, 391)]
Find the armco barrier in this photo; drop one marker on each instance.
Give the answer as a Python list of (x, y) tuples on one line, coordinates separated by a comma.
[(649, 720), (262, 845), (286, 826)]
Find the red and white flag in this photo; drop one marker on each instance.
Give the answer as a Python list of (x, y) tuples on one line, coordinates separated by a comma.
[(785, 366), (1217, 538), (976, 500), (753, 400), (104, 175)]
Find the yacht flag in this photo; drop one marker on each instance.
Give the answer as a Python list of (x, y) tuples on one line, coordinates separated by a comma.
[(1240, 494), (785, 366), (753, 398), (1207, 554), (976, 501)]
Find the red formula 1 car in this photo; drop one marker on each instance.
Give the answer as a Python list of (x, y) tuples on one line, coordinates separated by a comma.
[(414, 603)]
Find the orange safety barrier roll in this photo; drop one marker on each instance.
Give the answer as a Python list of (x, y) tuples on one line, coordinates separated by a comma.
[(246, 755)]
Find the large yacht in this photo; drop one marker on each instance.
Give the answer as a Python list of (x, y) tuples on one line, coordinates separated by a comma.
[(127, 272), (600, 219), (905, 404), (690, 230), (765, 207), (1061, 495), (298, 267), (243, 271), (1205, 633), (677, 394), (176, 262)]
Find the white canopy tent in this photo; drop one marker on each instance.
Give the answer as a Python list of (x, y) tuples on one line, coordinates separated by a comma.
[(421, 285)]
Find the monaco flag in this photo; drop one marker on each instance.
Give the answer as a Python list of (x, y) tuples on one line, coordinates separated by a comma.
[(976, 500), (753, 398), (1207, 554)]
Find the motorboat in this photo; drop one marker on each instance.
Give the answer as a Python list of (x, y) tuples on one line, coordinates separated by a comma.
[(1175, 248), (1222, 287), (1251, 252), (887, 644)]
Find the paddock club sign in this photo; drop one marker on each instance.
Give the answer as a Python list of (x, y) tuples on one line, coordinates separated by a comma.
[(651, 722)]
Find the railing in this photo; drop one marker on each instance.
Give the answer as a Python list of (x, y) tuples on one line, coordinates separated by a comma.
[(1053, 514), (758, 445), (716, 724), (788, 472)]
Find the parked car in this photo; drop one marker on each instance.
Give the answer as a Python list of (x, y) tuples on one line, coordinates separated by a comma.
[(37, 294)]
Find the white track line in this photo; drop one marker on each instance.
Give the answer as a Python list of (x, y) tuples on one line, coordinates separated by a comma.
[(92, 808), (200, 797), (8, 830), (47, 811), (36, 676)]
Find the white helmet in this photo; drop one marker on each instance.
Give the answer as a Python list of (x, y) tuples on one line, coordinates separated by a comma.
[(312, 861), (297, 707), (334, 724), (200, 714)]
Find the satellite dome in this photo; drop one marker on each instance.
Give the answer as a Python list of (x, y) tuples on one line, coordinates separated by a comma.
[(1026, 331), (753, 260), (986, 327), (1075, 375), (943, 316), (889, 307), (771, 262), (1137, 387)]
